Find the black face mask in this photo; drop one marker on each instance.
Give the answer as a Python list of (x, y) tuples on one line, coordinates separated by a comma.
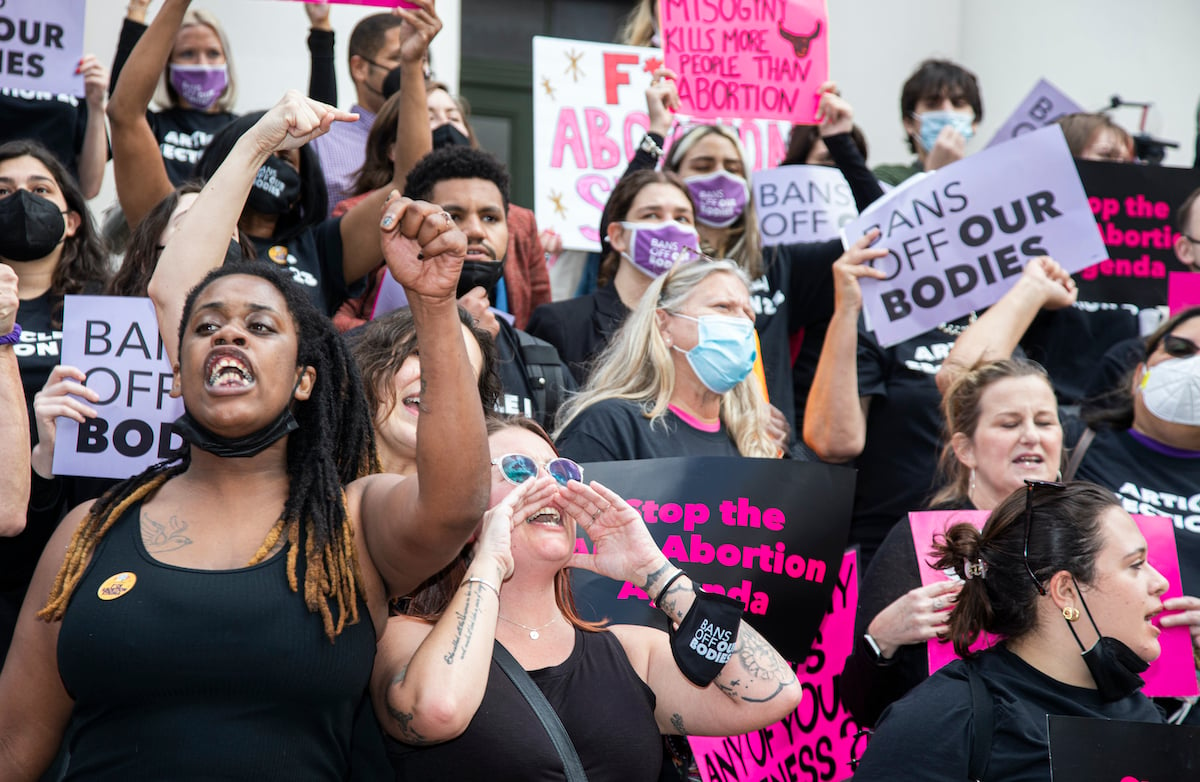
[(480, 274), (276, 188), (233, 253), (30, 226), (448, 136), (236, 447), (391, 82), (1113, 665)]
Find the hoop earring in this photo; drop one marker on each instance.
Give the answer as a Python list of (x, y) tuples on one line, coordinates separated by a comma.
[(1070, 613)]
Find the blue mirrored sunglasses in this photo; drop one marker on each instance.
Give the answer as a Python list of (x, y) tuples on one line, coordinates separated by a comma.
[(518, 468)]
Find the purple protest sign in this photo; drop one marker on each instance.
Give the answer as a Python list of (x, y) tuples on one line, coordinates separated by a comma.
[(958, 238), (820, 735), (1044, 104), (801, 203), (42, 44), (1173, 674), (114, 340)]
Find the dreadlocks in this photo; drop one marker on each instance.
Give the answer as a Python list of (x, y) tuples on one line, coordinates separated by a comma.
[(333, 445)]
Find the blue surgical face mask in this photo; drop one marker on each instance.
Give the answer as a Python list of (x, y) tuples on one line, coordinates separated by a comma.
[(725, 352), (932, 123)]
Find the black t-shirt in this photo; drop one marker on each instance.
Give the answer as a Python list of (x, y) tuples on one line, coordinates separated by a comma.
[(519, 355), (182, 136), (928, 734), (40, 348), (58, 122), (1070, 343), (617, 430), (314, 259)]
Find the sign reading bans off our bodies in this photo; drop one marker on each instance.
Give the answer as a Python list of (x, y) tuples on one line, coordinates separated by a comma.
[(40, 46), (114, 340), (801, 204), (958, 238), (767, 532)]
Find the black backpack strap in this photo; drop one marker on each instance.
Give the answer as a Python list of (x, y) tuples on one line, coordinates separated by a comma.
[(544, 371), (983, 711), (1077, 453), (544, 711)]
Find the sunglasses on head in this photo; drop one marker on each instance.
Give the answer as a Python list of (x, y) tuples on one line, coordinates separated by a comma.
[(1030, 485), (518, 468), (1179, 347)]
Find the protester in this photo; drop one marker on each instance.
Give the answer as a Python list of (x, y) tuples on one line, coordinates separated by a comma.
[(14, 427), (1047, 556), (806, 147), (456, 715), (277, 424), (676, 379), (940, 109), (1096, 137)]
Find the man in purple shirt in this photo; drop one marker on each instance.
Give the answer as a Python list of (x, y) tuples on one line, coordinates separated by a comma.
[(374, 50)]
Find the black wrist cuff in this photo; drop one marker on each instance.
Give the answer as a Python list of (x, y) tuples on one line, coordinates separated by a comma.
[(707, 636)]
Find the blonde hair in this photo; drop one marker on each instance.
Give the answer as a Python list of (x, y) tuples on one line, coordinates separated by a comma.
[(640, 25), (165, 96), (637, 367), (742, 242)]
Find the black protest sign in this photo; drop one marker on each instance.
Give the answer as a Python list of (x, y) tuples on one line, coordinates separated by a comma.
[(1086, 750)]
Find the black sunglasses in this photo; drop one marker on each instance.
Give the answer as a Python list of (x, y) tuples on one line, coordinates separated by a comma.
[(1179, 347), (1030, 485)]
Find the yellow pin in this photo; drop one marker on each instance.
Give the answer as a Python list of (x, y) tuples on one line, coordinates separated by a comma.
[(115, 586)]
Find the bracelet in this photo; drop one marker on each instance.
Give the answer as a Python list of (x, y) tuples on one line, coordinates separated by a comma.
[(487, 584), (678, 575), (650, 147), (12, 337)]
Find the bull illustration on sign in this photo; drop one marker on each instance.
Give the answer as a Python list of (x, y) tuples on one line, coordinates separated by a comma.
[(800, 43)]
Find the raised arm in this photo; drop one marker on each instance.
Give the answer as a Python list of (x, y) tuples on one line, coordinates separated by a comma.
[(14, 426), (835, 417), (199, 244), (94, 155), (322, 75), (414, 526), (429, 679), (138, 169), (132, 29), (754, 688), (1042, 285), (837, 122), (360, 250)]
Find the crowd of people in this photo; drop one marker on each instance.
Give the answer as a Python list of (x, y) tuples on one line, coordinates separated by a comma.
[(358, 564)]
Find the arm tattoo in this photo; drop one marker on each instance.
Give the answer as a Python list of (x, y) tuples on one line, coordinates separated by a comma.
[(677, 724), (160, 538), (669, 603), (403, 720), (761, 663), (653, 578), (466, 623)]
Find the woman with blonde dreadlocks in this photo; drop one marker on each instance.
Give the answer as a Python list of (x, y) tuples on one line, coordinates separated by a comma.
[(216, 617)]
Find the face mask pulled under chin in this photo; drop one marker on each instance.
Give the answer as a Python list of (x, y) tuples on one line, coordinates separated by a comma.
[(1115, 668), (235, 447)]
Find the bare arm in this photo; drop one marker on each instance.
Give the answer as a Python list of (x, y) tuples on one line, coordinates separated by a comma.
[(835, 416), (138, 169), (1043, 284), (199, 245), (360, 250), (94, 154), (413, 527), (14, 426), (34, 705)]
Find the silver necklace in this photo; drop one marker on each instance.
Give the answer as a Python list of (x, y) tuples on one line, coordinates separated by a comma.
[(533, 631), (955, 329)]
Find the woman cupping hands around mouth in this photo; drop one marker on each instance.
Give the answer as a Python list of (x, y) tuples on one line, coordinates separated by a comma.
[(254, 567)]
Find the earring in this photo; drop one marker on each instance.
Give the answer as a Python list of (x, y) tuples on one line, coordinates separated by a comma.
[(1070, 613), (971, 490)]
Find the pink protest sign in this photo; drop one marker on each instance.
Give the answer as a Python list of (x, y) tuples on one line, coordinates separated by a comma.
[(1183, 291), (1173, 674), (757, 60), (376, 3), (818, 737)]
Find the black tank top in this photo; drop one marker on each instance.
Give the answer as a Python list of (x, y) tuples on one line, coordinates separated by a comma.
[(205, 674), (605, 707)]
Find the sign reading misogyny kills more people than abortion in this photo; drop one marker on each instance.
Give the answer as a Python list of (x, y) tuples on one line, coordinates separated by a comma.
[(958, 238), (761, 59), (114, 340), (767, 532), (40, 46), (589, 116), (801, 203)]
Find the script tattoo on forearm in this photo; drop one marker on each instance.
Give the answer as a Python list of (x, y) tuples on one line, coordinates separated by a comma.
[(768, 674), (160, 538), (466, 623)]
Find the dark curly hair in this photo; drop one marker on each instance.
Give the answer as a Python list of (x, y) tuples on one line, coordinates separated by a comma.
[(455, 162)]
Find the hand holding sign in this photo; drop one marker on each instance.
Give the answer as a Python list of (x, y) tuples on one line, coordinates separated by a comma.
[(1049, 282), (623, 548), (834, 112), (853, 265), (95, 82), (919, 615), (1188, 616), (662, 101), (61, 397), (422, 25)]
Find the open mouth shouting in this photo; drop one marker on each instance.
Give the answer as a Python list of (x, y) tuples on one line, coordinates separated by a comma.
[(547, 517), (228, 369)]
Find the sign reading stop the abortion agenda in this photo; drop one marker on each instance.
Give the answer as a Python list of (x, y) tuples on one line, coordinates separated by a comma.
[(114, 340), (959, 237), (589, 116), (759, 59), (41, 44)]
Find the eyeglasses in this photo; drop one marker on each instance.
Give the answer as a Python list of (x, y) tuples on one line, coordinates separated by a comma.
[(1179, 347), (1030, 485), (518, 468)]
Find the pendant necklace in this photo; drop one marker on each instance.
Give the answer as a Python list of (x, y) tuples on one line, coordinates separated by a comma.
[(533, 631)]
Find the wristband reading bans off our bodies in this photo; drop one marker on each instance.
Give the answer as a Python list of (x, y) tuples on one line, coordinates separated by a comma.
[(705, 639)]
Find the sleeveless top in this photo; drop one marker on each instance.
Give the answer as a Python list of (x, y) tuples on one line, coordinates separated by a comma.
[(606, 708), (205, 674)]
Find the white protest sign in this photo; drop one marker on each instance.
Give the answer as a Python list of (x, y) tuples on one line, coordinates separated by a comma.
[(114, 340), (958, 238), (801, 203), (589, 114), (1043, 105), (41, 45)]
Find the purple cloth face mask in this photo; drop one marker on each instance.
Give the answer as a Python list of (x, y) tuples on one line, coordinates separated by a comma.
[(720, 197), (656, 247), (200, 85)]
